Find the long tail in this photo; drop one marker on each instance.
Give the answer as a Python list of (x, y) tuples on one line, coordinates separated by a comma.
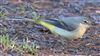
[(46, 24)]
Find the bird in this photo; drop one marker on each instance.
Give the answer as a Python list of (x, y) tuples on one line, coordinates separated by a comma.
[(67, 27)]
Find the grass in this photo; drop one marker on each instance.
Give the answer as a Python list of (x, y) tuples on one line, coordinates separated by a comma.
[(4, 41), (27, 48), (2, 14), (7, 44)]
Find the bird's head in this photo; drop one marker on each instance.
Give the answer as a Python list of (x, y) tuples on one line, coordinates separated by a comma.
[(87, 22)]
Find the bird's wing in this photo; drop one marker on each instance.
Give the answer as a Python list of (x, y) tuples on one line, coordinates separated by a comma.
[(60, 24), (72, 20)]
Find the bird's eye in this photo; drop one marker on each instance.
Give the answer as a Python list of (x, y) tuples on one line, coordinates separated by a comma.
[(85, 21)]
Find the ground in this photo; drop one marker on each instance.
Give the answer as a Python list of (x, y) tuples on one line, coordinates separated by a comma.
[(46, 43)]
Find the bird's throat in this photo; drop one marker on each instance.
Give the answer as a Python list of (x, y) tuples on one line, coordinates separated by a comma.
[(79, 32)]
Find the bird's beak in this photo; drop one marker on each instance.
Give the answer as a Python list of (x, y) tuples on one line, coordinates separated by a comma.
[(93, 24)]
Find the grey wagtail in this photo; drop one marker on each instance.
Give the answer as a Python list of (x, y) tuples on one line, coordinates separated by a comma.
[(68, 27)]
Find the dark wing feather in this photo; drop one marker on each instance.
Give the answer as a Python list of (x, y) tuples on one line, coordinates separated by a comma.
[(60, 24)]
